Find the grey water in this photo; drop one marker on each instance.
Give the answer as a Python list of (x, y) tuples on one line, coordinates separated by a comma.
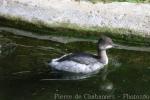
[(25, 74)]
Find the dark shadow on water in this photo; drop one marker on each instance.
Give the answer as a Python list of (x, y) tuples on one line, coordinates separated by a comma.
[(62, 75)]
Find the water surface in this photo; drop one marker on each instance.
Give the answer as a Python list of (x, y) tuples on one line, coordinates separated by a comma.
[(25, 74)]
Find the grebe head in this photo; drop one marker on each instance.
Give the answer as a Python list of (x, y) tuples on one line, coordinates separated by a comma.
[(105, 43)]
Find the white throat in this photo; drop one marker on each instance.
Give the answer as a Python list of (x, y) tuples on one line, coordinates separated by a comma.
[(103, 57)]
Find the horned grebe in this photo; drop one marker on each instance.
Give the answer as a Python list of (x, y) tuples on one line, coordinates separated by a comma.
[(84, 62)]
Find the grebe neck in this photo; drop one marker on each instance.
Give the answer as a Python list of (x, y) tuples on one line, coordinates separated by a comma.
[(103, 57)]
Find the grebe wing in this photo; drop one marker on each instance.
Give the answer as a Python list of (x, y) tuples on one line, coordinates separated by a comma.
[(82, 58)]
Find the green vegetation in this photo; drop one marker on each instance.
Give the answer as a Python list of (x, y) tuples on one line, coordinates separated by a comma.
[(123, 36)]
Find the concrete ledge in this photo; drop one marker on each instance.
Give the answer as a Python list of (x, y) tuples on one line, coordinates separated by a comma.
[(83, 14)]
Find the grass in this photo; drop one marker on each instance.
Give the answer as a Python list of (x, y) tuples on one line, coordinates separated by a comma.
[(122, 36)]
